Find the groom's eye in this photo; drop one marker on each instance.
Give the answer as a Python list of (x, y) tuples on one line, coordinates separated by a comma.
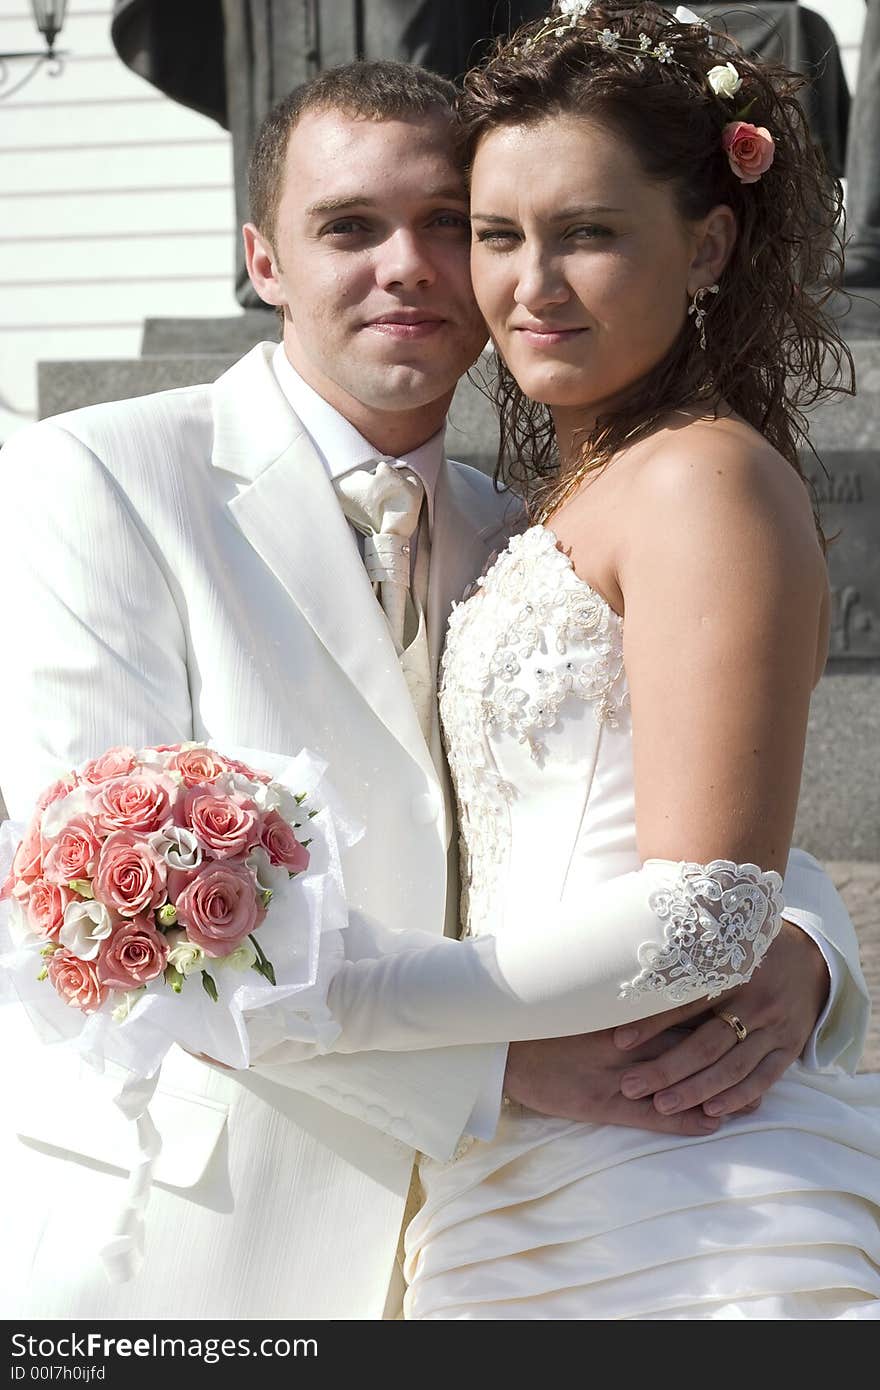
[(344, 226), (458, 221)]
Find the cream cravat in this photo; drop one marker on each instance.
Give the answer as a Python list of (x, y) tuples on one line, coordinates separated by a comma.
[(384, 504)]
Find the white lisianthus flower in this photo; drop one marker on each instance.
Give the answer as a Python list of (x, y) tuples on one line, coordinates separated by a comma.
[(177, 846), (86, 925), (127, 1000), (264, 795), (185, 956), (242, 958), (273, 877), (724, 80)]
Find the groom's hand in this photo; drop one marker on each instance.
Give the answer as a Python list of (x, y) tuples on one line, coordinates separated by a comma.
[(579, 1078), (708, 1066)]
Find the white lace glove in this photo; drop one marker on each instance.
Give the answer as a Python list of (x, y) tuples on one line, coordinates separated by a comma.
[(644, 942)]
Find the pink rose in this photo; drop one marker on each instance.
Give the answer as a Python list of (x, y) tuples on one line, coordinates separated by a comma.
[(56, 791), (248, 772), (281, 845), (45, 908), (219, 907), (749, 148), (198, 766), (224, 825), (116, 762), (132, 955), (27, 866), (140, 801), (130, 878), (76, 981), (74, 852)]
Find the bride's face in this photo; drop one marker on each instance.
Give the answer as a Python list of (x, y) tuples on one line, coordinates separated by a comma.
[(582, 266)]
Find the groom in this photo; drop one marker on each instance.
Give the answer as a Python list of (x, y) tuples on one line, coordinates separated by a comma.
[(184, 568)]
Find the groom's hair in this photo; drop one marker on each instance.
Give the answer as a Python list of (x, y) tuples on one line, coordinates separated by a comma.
[(377, 91)]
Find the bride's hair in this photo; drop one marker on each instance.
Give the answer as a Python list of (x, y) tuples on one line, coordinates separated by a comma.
[(771, 347)]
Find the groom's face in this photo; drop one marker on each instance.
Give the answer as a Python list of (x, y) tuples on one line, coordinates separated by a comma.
[(369, 259)]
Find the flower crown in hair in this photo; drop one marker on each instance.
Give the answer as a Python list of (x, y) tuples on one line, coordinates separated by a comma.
[(750, 149)]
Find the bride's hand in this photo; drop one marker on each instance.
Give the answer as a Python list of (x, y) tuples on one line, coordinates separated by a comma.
[(710, 1067)]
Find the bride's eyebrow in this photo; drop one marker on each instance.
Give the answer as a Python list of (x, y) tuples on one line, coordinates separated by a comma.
[(563, 215)]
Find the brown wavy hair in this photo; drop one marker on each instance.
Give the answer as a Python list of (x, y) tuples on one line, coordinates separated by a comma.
[(772, 348)]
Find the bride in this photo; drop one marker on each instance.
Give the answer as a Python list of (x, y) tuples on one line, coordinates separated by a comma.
[(625, 696)]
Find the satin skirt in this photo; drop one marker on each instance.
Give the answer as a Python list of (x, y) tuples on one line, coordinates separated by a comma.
[(775, 1216)]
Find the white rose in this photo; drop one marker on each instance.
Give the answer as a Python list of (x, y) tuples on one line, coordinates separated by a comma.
[(242, 958), (86, 925), (724, 80), (185, 956)]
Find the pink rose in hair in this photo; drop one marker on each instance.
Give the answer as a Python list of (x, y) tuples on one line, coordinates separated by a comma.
[(281, 844), (224, 825), (218, 908), (132, 955), (140, 802), (45, 908), (749, 148), (116, 762), (130, 878), (197, 765), (76, 981), (74, 852)]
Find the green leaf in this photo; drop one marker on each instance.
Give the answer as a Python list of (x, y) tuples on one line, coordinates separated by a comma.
[(209, 986), (44, 974), (266, 897), (313, 813), (300, 798)]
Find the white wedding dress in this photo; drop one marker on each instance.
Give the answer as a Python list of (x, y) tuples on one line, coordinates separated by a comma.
[(777, 1215)]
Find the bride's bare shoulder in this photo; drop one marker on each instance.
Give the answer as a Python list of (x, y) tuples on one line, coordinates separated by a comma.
[(705, 471)]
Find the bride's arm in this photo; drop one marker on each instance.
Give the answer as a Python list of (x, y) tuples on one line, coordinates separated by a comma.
[(723, 582)]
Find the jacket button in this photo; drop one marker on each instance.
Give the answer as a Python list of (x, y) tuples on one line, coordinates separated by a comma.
[(425, 808)]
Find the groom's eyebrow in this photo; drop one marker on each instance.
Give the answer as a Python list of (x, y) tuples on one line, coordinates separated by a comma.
[(448, 193)]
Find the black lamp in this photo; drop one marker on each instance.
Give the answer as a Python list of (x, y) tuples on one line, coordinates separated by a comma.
[(48, 17)]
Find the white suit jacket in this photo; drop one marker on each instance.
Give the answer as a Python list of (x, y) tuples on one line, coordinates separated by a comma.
[(178, 567)]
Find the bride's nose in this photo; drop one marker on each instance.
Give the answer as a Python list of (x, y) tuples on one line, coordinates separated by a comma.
[(540, 281)]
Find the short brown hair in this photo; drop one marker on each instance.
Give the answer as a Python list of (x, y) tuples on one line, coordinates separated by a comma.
[(377, 91)]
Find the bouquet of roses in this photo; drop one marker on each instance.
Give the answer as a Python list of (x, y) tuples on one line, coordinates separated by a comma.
[(173, 886), (175, 894)]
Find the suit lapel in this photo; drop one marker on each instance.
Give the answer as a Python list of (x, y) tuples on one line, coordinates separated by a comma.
[(289, 513)]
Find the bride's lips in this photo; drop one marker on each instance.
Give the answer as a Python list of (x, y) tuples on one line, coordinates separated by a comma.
[(543, 336), (408, 326)]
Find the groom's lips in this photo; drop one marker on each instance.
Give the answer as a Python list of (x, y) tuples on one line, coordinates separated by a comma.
[(407, 326)]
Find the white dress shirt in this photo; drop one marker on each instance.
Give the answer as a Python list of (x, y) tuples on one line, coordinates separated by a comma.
[(341, 449)]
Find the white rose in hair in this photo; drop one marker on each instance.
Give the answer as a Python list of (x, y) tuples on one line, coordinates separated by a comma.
[(724, 80)]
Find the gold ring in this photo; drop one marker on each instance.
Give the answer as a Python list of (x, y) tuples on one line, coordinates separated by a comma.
[(735, 1023)]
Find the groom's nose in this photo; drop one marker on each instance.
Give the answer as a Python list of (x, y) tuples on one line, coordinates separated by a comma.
[(402, 261)]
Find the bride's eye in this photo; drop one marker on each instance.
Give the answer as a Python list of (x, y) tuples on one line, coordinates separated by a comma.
[(589, 231), (499, 238)]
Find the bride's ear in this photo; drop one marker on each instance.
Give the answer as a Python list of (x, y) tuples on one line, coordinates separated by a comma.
[(715, 240)]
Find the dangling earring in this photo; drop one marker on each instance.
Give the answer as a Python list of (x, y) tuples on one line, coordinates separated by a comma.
[(699, 311)]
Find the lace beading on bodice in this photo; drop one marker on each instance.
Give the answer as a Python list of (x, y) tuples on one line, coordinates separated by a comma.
[(531, 637)]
